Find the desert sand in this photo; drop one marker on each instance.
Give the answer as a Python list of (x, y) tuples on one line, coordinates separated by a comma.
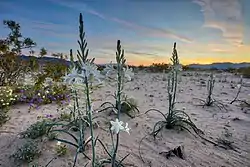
[(150, 91)]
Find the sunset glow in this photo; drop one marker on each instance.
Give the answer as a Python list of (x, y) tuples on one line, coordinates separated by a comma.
[(206, 31)]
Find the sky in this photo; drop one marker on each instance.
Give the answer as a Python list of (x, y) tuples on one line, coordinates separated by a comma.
[(205, 31)]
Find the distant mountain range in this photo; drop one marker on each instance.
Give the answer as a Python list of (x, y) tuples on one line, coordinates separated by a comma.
[(220, 66), (45, 59)]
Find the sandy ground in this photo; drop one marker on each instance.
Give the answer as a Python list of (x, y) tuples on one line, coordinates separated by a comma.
[(150, 92)]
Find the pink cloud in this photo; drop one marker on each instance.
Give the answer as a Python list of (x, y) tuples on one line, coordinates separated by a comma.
[(225, 15)]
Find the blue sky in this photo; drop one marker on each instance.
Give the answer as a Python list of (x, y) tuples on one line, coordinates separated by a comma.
[(205, 30)]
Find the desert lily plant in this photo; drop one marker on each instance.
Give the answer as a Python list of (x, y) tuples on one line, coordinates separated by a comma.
[(81, 74), (174, 118), (210, 101), (117, 125), (239, 86), (128, 104)]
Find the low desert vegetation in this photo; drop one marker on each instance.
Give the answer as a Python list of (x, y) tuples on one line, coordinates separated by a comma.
[(210, 100), (71, 87)]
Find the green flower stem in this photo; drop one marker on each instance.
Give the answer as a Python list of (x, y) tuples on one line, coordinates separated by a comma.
[(119, 92), (175, 88), (90, 121)]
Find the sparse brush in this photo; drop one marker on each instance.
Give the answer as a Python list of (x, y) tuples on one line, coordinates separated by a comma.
[(210, 101), (164, 78), (61, 149), (78, 124), (37, 165), (3, 116), (175, 118), (52, 136), (27, 152), (37, 129), (129, 106), (239, 86), (65, 116)]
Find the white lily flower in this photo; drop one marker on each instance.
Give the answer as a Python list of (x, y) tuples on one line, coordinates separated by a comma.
[(129, 74), (58, 143), (178, 67), (126, 128), (90, 69), (117, 126), (109, 69), (71, 77)]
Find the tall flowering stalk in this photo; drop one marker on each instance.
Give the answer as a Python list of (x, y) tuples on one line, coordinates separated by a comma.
[(117, 126), (123, 103), (173, 79), (239, 86), (210, 100), (85, 68), (120, 79), (174, 118), (82, 72)]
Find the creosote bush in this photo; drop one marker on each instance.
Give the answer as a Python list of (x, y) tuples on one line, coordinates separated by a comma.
[(52, 70), (245, 72), (11, 66), (37, 129), (27, 152)]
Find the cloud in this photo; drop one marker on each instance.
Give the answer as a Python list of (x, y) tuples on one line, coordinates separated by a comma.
[(142, 53), (152, 31), (146, 30), (225, 15)]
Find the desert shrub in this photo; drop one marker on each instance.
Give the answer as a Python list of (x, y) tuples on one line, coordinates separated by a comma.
[(33, 64), (3, 116), (6, 99), (37, 129), (52, 70), (129, 106), (27, 152), (158, 67), (11, 66), (52, 136), (6, 96), (245, 72), (55, 92), (61, 149), (64, 116)]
